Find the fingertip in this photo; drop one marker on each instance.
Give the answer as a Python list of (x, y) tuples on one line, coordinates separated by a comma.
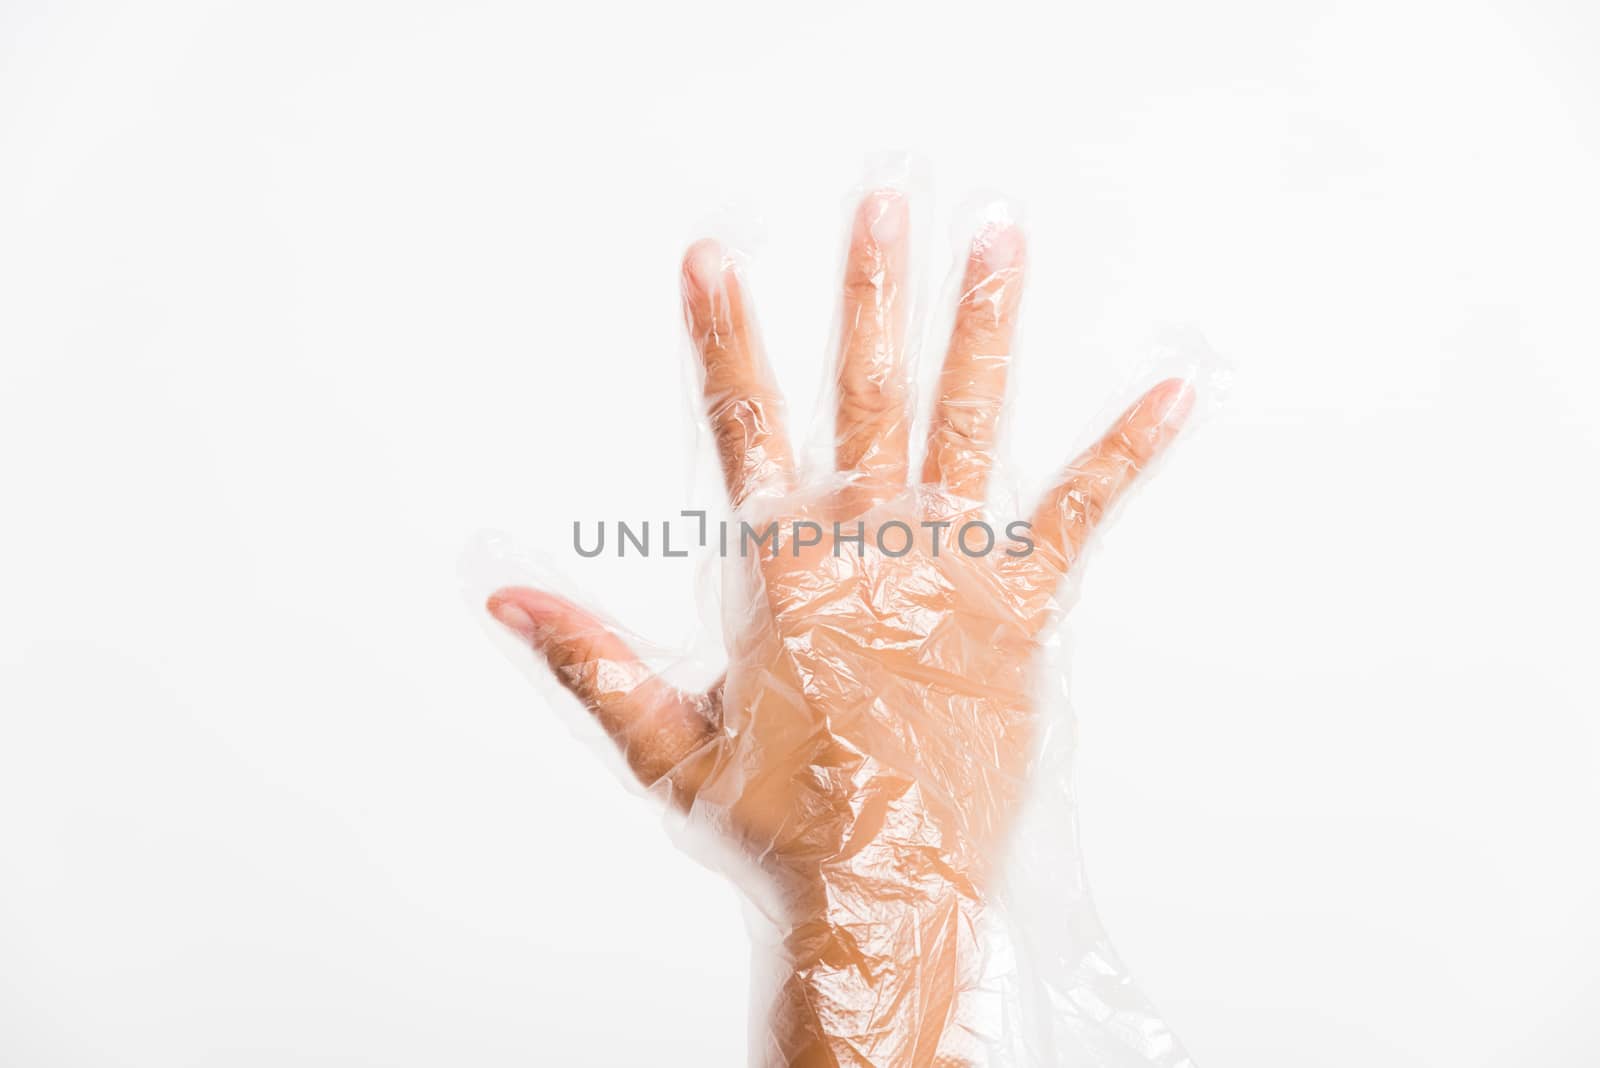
[(999, 246), (511, 616), (515, 607), (703, 266), (1172, 401), (883, 217)]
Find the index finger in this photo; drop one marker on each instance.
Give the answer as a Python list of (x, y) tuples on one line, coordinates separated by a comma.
[(742, 402)]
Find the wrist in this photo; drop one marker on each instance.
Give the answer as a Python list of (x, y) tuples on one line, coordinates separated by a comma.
[(888, 971)]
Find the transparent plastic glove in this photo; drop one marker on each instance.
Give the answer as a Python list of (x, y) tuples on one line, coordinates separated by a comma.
[(875, 733)]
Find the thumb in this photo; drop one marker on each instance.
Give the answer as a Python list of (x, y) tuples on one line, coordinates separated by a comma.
[(656, 725)]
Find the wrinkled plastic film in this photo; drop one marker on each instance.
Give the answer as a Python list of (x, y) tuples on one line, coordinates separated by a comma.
[(884, 764)]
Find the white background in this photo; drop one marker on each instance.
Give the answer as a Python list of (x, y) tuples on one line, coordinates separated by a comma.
[(296, 297)]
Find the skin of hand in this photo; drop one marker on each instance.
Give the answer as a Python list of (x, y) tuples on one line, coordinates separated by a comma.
[(870, 741)]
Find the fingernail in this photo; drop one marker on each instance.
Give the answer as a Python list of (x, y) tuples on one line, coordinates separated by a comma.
[(512, 616), (999, 246), (886, 215), (1178, 401), (704, 264)]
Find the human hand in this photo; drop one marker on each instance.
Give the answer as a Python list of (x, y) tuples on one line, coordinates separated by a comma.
[(870, 742)]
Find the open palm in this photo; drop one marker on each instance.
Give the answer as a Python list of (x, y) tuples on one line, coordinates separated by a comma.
[(869, 743)]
